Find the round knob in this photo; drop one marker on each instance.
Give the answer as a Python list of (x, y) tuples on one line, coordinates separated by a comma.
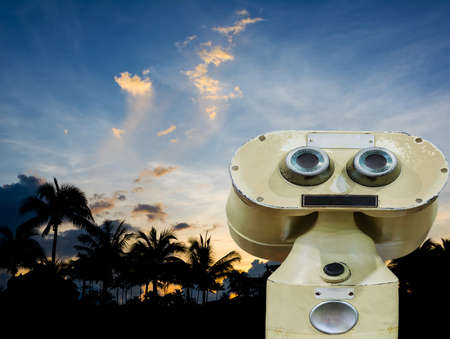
[(334, 269)]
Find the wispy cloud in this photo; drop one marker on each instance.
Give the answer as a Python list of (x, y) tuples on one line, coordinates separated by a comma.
[(215, 56), (186, 41), (167, 131), (158, 171), (212, 92), (238, 27), (211, 111), (117, 132), (242, 12)]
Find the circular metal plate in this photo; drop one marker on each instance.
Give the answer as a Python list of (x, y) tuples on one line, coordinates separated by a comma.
[(333, 317)]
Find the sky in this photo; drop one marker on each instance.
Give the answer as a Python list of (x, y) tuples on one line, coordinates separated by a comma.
[(142, 104)]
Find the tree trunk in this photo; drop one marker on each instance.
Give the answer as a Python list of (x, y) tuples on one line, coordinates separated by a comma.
[(55, 236), (155, 288)]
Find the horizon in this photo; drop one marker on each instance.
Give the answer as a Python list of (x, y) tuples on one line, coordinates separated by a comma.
[(142, 105)]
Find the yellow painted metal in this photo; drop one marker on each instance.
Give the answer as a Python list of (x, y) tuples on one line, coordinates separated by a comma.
[(264, 210), (266, 218)]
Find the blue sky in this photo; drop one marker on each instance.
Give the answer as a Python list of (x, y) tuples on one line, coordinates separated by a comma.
[(149, 100)]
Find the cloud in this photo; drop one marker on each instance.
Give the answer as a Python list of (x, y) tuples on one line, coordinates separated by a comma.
[(146, 71), (211, 90), (215, 56), (173, 141), (236, 93), (158, 171), (242, 12), (238, 27), (120, 195), (211, 111), (167, 131), (100, 204), (117, 132), (11, 197), (152, 212), (186, 41), (181, 226), (138, 189), (134, 85), (66, 131)]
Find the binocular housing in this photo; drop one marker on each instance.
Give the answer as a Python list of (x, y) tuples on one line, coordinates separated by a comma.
[(282, 180), (332, 206)]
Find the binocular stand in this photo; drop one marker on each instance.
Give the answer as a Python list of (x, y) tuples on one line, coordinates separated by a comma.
[(333, 284)]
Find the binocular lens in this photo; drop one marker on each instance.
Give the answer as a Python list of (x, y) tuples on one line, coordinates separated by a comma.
[(307, 160), (375, 161), (374, 166), (306, 166)]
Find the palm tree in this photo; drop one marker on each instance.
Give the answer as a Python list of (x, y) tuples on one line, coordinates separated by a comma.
[(19, 250), (204, 269), (102, 251), (53, 205), (154, 256)]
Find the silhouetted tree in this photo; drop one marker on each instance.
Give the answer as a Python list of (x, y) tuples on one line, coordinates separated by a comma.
[(154, 255), (19, 250), (53, 205), (205, 271), (102, 250)]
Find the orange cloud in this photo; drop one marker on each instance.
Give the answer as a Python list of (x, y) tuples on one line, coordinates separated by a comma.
[(134, 85), (237, 28), (211, 111), (236, 93), (159, 171), (215, 56), (167, 131), (117, 132)]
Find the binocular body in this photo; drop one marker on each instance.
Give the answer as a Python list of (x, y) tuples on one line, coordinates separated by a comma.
[(332, 206)]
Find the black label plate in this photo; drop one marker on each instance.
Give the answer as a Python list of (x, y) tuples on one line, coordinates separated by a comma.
[(332, 200)]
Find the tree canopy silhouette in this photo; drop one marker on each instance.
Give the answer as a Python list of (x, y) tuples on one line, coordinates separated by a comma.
[(19, 250), (205, 271), (153, 254), (54, 204), (102, 251)]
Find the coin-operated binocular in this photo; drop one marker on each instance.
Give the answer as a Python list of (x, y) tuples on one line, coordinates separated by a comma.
[(332, 206)]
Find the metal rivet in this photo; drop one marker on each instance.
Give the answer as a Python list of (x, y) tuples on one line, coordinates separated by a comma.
[(259, 199), (418, 200), (235, 168), (444, 170), (418, 140), (262, 138)]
